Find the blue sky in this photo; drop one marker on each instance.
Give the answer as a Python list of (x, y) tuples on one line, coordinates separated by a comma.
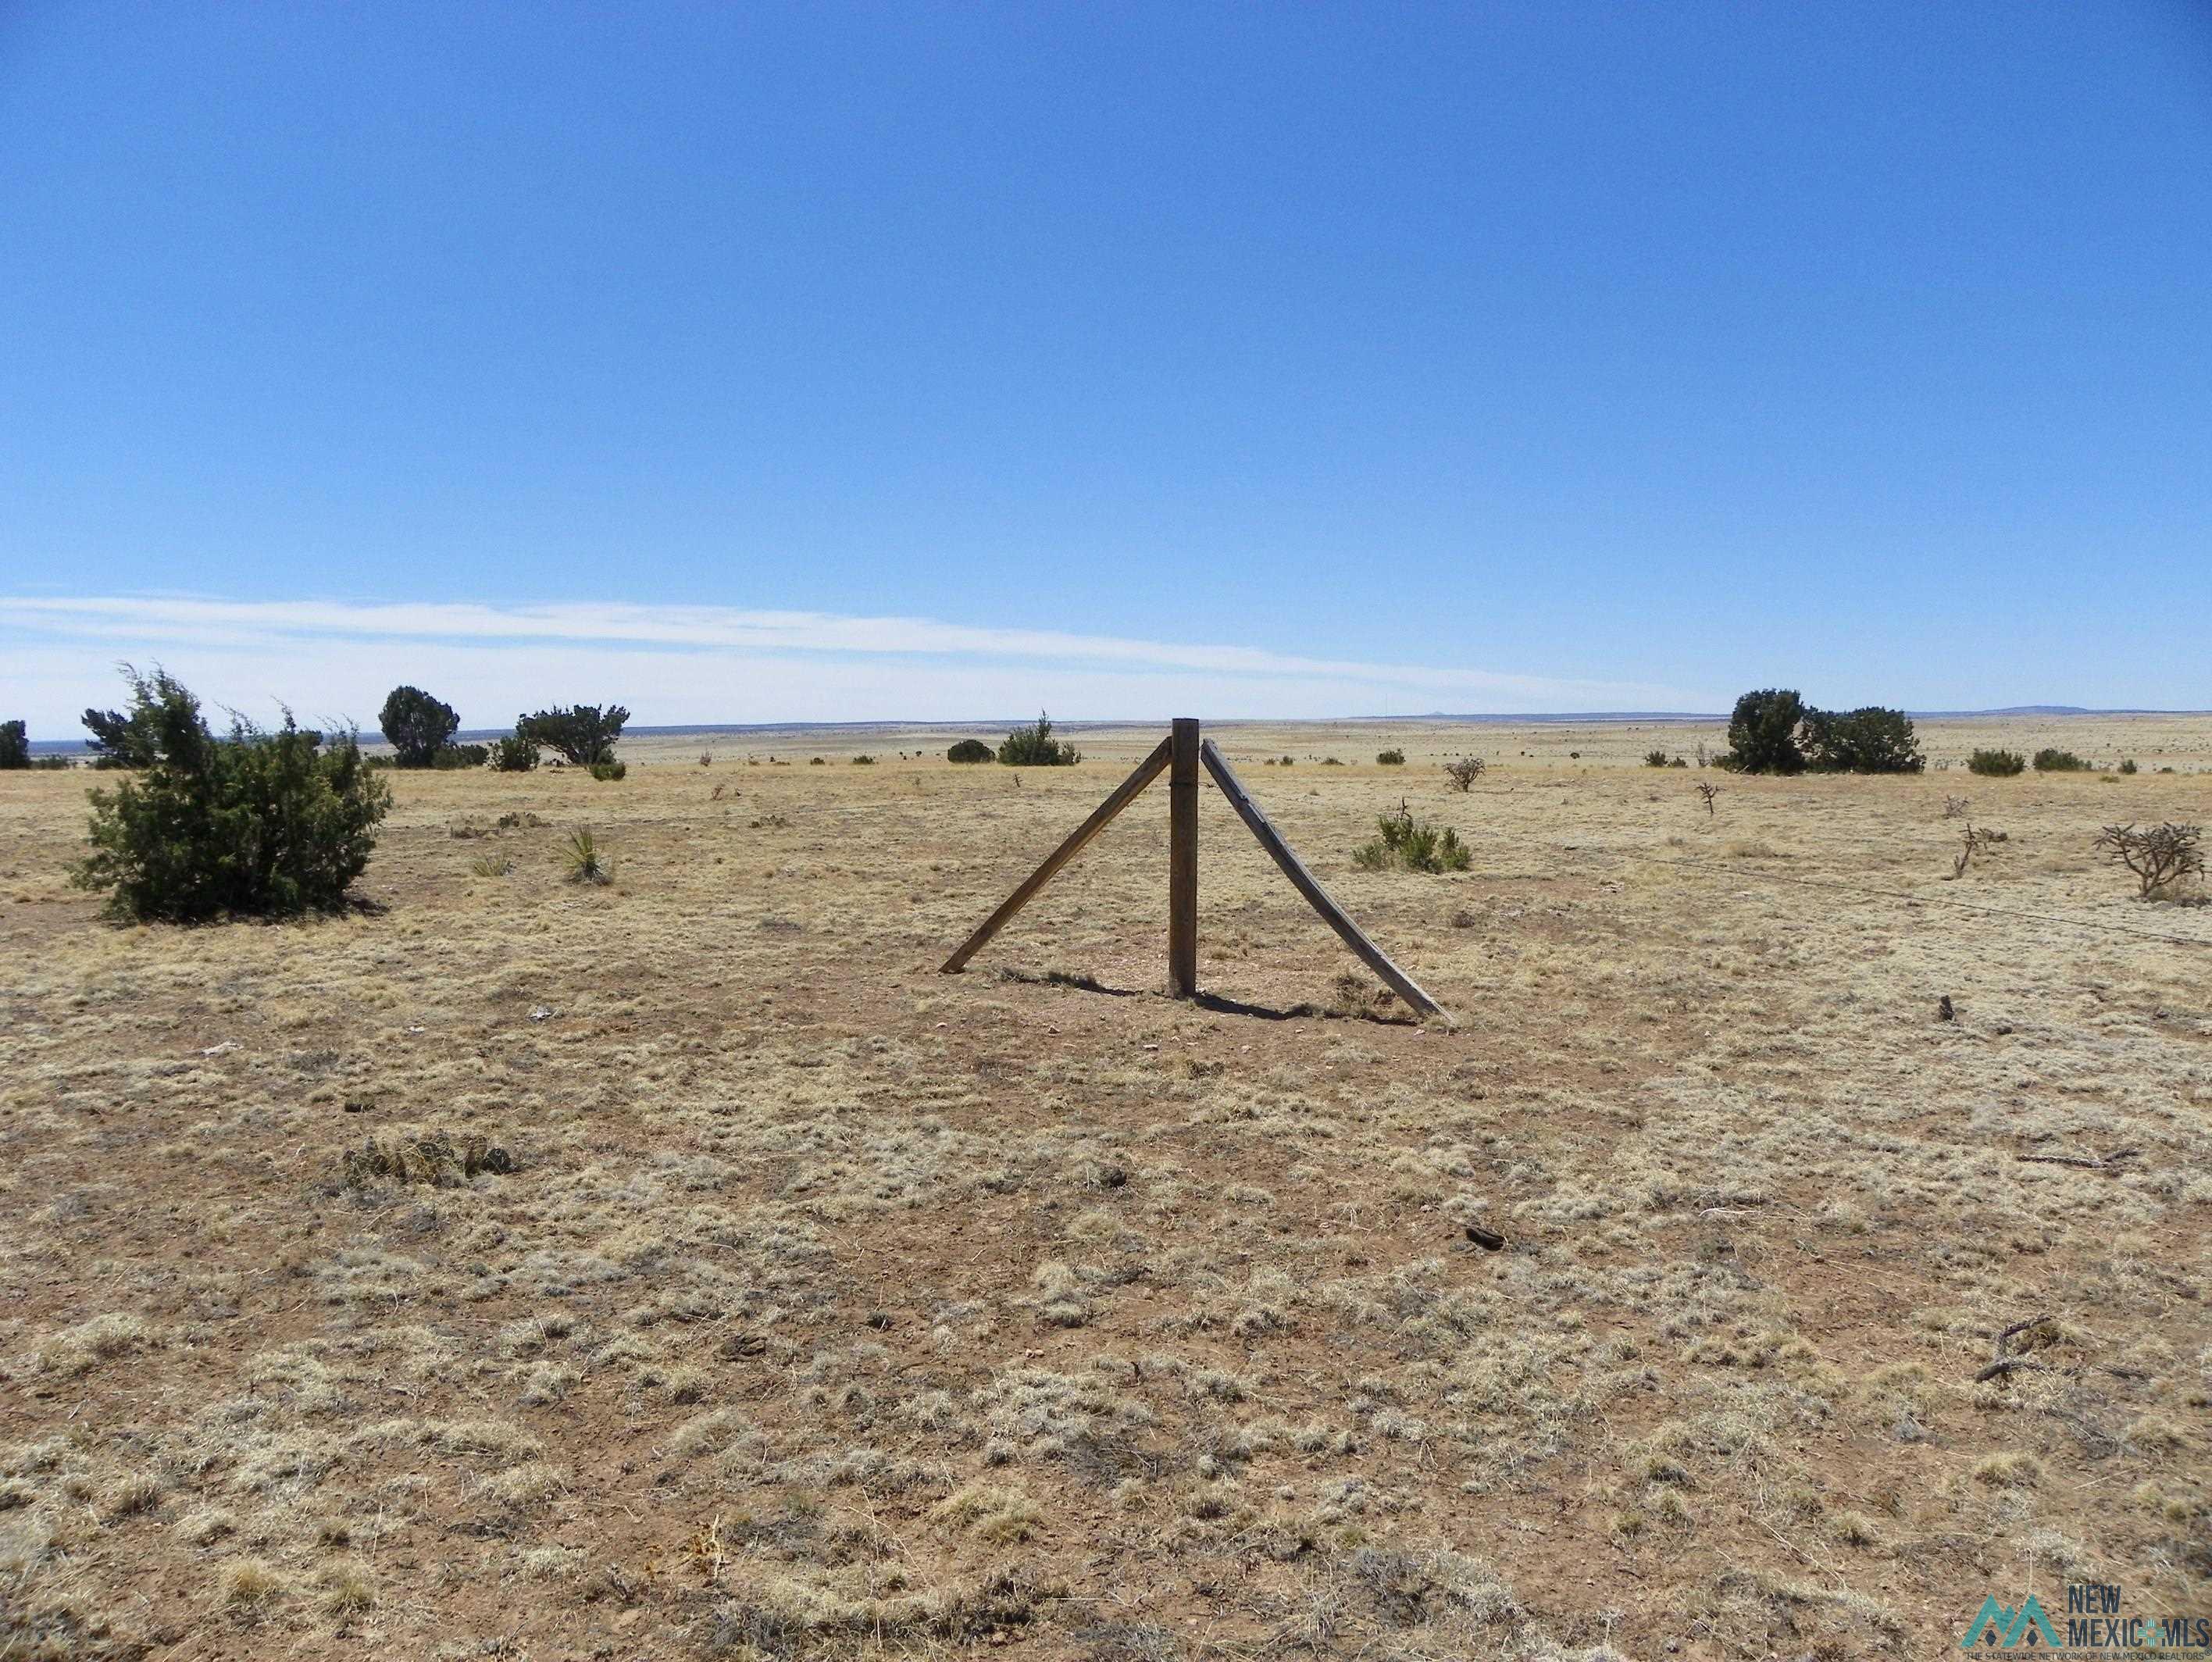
[(763, 363)]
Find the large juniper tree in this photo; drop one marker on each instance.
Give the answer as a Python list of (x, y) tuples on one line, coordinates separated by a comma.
[(417, 727)]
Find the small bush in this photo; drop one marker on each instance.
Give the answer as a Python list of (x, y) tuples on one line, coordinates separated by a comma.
[(1035, 747), (1390, 758), (1869, 740), (2127, 766), (1463, 771), (2050, 760), (863, 760), (513, 754), (1290, 761), (2160, 856), (491, 865), (15, 745), (607, 769), (585, 860), (260, 823), (1655, 758), (462, 756), (968, 750), (814, 762), (1996, 764), (1402, 844)]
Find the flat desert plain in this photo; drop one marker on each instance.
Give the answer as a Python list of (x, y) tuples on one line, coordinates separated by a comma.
[(684, 1268)]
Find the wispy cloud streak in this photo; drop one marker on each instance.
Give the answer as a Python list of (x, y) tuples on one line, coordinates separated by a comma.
[(940, 665)]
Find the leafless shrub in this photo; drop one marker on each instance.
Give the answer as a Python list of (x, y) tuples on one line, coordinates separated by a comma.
[(1463, 771), (2160, 856), (1954, 808), (1974, 842), (1708, 791)]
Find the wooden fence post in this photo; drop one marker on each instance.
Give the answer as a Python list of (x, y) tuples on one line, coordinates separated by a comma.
[(1182, 859)]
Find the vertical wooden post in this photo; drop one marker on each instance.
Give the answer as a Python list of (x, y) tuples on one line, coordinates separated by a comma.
[(1182, 859)]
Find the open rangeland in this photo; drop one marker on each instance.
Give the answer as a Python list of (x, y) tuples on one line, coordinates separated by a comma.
[(681, 1266)]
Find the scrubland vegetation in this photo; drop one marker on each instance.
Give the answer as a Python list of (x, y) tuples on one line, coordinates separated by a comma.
[(1792, 1243)]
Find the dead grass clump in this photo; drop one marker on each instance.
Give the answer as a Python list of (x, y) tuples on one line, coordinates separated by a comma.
[(787, 1617), (348, 1589), (2009, 1469), (79, 1350), (251, 1585), (434, 1161), (999, 1516)]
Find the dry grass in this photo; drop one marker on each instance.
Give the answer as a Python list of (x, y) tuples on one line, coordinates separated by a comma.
[(816, 1304)]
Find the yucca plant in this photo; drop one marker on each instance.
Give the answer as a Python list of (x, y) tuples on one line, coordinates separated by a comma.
[(588, 861)]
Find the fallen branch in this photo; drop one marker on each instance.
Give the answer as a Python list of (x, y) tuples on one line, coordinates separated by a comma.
[(2020, 1327), (2086, 1162), (2005, 1364)]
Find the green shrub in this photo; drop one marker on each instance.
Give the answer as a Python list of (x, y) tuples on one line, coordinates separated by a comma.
[(815, 762), (454, 756), (513, 754), (122, 740), (583, 733), (863, 760), (968, 750), (1655, 758), (1402, 844), (417, 727), (1868, 740), (1390, 758), (2048, 760), (15, 745), (259, 824), (585, 860), (1996, 764), (2127, 766), (1035, 747), (607, 769), (1763, 733)]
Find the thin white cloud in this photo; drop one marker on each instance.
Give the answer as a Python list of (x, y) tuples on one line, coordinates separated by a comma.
[(673, 665)]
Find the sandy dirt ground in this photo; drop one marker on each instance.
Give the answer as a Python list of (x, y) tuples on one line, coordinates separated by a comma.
[(682, 1267)]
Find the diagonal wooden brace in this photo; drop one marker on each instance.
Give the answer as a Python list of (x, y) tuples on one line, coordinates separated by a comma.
[(1317, 897), (1147, 770)]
